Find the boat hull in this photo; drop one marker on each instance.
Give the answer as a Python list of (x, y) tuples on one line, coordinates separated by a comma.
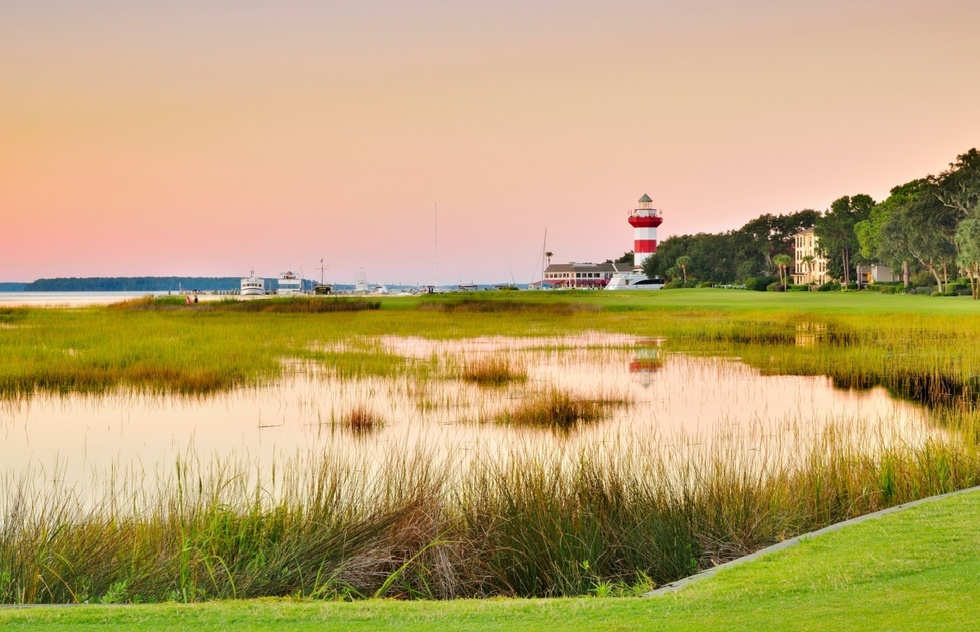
[(633, 281)]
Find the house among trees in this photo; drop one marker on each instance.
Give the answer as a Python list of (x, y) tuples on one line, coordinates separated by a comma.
[(875, 273), (810, 266)]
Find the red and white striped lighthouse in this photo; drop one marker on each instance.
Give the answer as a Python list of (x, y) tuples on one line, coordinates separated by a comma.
[(644, 221)]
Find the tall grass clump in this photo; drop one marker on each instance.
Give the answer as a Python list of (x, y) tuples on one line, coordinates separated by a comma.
[(360, 420), (555, 409), (493, 371)]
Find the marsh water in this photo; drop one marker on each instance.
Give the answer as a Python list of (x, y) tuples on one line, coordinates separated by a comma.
[(677, 402)]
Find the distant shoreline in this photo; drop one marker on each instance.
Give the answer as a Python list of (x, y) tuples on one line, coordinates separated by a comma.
[(129, 284)]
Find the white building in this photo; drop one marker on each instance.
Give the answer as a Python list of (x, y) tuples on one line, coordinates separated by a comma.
[(877, 273), (584, 275), (810, 266)]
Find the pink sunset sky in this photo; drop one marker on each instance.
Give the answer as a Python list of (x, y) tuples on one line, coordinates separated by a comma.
[(209, 138)]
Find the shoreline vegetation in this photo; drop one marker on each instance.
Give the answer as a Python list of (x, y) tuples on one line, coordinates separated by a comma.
[(528, 523)]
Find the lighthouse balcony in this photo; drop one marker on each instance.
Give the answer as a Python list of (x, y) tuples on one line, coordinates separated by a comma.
[(645, 218)]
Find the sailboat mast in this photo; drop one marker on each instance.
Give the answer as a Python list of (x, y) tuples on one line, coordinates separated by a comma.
[(544, 257), (436, 238)]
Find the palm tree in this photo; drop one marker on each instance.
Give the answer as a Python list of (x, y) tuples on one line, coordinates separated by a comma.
[(683, 262), (784, 262)]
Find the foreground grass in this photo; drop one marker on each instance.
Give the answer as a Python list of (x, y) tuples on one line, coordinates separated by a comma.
[(912, 570)]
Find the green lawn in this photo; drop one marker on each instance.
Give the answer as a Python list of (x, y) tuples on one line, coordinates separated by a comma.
[(740, 300), (912, 570)]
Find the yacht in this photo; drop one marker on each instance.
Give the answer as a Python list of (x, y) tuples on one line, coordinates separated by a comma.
[(252, 285), (290, 284), (633, 281)]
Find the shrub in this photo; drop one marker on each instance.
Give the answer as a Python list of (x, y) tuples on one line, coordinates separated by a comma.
[(759, 284), (829, 286), (706, 284), (921, 278), (775, 287)]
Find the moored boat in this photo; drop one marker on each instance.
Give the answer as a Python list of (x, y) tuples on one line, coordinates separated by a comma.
[(633, 281), (252, 285)]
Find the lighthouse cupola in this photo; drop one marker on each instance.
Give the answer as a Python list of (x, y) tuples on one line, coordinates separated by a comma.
[(644, 219)]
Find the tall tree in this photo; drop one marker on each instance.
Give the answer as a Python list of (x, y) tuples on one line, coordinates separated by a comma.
[(891, 249), (835, 234), (921, 227), (784, 262), (770, 235), (683, 261), (968, 240), (958, 188)]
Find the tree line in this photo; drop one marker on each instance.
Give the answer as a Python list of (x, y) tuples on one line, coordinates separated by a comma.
[(133, 284), (931, 225)]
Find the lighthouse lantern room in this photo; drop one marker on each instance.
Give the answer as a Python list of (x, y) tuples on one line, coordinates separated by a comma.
[(644, 219)]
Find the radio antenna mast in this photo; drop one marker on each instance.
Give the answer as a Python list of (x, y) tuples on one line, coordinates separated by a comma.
[(436, 237)]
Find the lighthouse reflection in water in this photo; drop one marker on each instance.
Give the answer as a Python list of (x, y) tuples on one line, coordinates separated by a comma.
[(646, 360)]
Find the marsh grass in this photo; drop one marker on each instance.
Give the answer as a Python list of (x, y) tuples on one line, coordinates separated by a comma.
[(554, 409), (205, 349), (361, 420), (505, 306), (493, 371), (269, 305)]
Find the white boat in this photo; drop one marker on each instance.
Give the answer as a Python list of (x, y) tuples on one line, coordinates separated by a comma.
[(361, 285), (252, 285), (633, 281), (290, 284)]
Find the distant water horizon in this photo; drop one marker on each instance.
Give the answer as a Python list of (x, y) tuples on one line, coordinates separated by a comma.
[(68, 299), (77, 298)]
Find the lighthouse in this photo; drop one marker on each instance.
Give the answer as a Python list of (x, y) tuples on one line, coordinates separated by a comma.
[(644, 219)]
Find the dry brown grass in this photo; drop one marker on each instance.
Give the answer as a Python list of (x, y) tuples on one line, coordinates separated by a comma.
[(361, 420)]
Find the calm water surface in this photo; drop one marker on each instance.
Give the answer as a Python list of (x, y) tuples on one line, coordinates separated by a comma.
[(676, 402)]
